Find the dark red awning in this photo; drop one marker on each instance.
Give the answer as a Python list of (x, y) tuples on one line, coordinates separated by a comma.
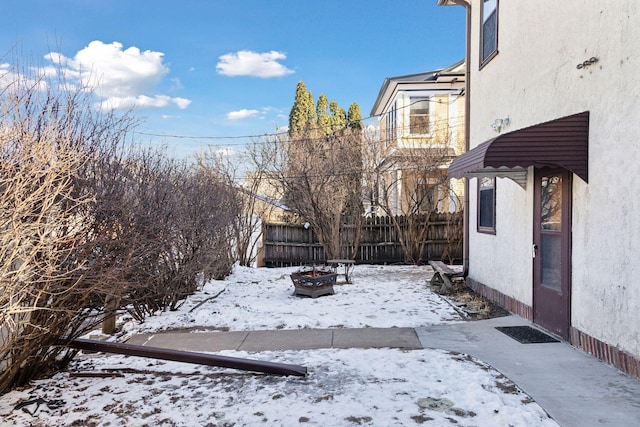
[(562, 142)]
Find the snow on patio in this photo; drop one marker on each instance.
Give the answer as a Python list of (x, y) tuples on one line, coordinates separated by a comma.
[(375, 387)]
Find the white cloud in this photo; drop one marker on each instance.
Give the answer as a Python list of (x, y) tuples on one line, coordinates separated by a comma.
[(9, 77), (241, 114), (122, 77), (182, 103), (143, 101), (248, 63)]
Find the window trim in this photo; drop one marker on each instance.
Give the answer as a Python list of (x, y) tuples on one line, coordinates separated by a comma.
[(494, 53), (391, 124), (481, 228), (413, 100)]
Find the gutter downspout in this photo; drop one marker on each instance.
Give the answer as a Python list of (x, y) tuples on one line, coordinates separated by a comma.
[(467, 108)]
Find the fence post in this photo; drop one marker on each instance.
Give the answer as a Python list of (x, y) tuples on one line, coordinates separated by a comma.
[(109, 319)]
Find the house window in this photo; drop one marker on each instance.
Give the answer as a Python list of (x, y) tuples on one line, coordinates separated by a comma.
[(425, 196), (390, 130), (419, 115), (489, 31), (487, 205)]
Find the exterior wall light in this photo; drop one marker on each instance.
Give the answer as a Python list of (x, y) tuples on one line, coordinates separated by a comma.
[(499, 124)]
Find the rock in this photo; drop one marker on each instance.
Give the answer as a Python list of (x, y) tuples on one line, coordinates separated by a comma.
[(435, 404)]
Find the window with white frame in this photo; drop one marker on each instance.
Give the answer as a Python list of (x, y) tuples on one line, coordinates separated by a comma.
[(419, 115), (489, 30), (390, 124)]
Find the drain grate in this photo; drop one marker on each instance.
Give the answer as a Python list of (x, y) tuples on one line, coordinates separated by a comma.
[(526, 334)]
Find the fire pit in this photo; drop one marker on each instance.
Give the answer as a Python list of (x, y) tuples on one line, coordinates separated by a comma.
[(314, 282)]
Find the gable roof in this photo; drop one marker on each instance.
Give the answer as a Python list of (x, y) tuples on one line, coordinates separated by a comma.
[(442, 77)]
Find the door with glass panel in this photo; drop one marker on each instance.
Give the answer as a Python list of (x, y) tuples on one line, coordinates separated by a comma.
[(552, 250)]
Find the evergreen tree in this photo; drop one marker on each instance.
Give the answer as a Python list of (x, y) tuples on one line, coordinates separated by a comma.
[(338, 117), (322, 112), (354, 117), (325, 151), (303, 113), (325, 118)]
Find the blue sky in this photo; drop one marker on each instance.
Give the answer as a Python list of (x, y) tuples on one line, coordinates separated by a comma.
[(213, 68)]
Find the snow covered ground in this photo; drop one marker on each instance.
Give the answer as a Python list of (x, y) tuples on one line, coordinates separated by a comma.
[(374, 387), (262, 298)]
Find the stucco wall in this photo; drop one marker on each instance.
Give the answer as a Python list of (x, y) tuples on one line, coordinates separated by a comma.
[(503, 261), (534, 78)]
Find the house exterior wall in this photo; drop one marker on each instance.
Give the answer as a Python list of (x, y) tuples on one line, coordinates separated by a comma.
[(266, 188), (535, 78), (446, 117), (503, 261), (446, 132)]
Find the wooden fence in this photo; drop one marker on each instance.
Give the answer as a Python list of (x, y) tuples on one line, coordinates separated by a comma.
[(293, 244)]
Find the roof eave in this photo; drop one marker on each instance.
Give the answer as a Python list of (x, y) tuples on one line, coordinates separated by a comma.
[(382, 100), (390, 84)]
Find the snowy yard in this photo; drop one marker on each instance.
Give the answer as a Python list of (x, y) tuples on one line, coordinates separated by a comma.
[(376, 387), (261, 298)]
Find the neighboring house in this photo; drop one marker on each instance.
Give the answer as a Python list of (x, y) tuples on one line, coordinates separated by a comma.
[(262, 205), (421, 131), (265, 189), (553, 230)]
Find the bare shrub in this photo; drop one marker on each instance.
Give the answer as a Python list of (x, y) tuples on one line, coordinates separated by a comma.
[(162, 224), (256, 194), (321, 178), (46, 287), (409, 184), (88, 221)]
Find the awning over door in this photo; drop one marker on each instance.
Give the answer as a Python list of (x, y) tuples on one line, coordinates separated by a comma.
[(562, 142)]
